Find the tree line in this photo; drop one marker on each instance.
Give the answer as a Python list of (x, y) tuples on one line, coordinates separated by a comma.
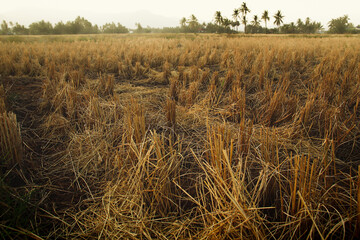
[(220, 24), (79, 26), (239, 17)]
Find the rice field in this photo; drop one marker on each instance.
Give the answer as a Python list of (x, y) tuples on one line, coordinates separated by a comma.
[(180, 137)]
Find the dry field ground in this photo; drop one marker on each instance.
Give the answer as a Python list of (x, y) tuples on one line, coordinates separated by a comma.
[(180, 137)]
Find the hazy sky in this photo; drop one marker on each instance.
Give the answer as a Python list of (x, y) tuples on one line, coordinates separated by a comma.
[(130, 11)]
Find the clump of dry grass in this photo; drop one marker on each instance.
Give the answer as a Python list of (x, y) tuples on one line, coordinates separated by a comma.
[(11, 150), (106, 85), (171, 113), (10, 140), (134, 122), (2, 99)]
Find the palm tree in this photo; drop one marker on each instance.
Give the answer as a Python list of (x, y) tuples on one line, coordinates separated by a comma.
[(183, 22), (193, 23), (278, 18), (244, 10), (218, 18), (266, 18), (193, 18), (226, 22), (244, 21), (256, 21), (236, 16)]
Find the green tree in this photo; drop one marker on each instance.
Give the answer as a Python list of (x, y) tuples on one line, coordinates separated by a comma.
[(244, 10), (5, 30), (218, 18), (339, 25), (113, 28), (302, 27), (139, 28), (194, 24), (310, 27), (289, 28), (214, 28), (60, 28), (255, 22), (254, 27), (183, 22), (80, 26), (226, 22), (20, 29), (73, 27), (235, 16), (278, 18), (265, 17), (244, 21), (41, 28)]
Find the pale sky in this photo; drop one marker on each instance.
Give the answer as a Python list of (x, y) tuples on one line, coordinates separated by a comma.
[(159, 13)]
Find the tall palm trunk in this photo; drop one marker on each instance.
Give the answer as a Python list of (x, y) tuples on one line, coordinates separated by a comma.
[(266, 30)]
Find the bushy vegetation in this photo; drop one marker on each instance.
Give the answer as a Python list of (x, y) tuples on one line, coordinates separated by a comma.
[(306, 27), (342, 25), (181, 137), (79, 26), (220, 24)]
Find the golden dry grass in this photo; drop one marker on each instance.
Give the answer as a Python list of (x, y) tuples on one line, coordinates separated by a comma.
[(191, 137), (10, 136)]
